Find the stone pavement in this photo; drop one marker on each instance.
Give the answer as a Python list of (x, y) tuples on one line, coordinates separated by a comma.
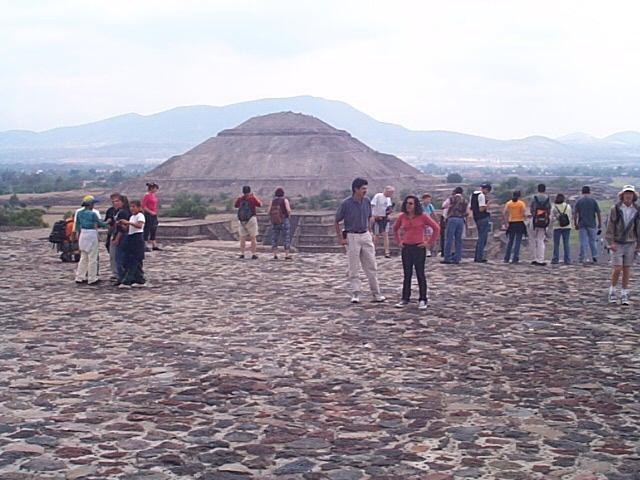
[(230, 370)]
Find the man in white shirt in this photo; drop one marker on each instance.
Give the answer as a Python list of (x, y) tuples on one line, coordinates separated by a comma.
[(381, 207)]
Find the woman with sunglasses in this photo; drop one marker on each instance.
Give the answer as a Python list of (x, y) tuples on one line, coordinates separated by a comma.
[(412, 223)]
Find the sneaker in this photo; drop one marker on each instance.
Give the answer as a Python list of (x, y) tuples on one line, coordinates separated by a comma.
[(288, 258), (254, 257), (138, 285), (542, 264), (157, 249), (422, 305), (124, 285), (612, 297), (555, 262), (379, 298), (595, 259), (428, 254), (355, 298), (95, 282), (624, 299), (402, 303), (387, 255), (241, 256), (80, 282), (446, 262), (275, 257), (534, 263)]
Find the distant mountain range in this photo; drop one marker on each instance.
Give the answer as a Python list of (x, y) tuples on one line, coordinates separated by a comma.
[(131, 138)]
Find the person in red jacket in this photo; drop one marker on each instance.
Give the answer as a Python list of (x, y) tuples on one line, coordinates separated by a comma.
[(412, 223)]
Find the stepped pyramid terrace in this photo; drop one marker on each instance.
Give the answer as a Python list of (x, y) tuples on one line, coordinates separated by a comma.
[(232, 370)]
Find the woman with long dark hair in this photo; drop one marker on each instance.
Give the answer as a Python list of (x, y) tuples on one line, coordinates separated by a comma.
[(561, 222), (514, 216), (150, 209), (412, 223)]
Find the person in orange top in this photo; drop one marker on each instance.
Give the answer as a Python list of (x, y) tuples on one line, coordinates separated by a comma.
[(413, 222), (514, 215)]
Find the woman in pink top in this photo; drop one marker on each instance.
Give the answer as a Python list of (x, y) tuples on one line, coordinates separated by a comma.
[(413, 222), (150, 209)]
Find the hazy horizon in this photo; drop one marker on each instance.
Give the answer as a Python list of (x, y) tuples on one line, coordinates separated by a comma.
[(331, 99), (501, 69)]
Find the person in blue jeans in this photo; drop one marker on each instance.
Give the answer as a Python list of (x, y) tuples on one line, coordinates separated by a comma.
[(457, 213), (561, 224), (585, 214), (514, 216), (279, 213), (481, 216)]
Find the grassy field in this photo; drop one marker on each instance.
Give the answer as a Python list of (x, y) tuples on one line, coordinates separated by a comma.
[(622, 181)]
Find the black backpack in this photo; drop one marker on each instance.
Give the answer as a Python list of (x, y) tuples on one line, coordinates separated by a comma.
[(475, 204), (244, 211), (58, 232), (563, 218)]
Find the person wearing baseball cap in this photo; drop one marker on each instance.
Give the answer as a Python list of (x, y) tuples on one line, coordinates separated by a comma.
[(623, 238), (86, 224)]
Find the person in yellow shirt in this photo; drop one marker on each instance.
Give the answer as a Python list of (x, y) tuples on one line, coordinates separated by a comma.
[(514, 216)]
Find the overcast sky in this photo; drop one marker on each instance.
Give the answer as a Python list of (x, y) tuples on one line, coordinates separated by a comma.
[(504, 69)]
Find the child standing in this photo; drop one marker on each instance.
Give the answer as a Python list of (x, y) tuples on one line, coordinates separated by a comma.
[(133, 247), (87, 221)]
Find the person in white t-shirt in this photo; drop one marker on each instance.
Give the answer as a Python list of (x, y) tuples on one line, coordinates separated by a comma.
[(381, 207), (134, 247)]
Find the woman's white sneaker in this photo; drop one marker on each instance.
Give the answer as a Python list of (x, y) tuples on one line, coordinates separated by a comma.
[(422, 305)]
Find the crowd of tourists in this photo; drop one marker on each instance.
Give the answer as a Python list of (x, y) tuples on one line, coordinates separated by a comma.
[(360, 223), (131, 231)]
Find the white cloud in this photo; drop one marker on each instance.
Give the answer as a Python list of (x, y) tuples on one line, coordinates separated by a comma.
[(504, 69)]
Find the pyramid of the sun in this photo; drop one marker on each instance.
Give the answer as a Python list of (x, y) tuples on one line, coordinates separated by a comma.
[(298, 152)]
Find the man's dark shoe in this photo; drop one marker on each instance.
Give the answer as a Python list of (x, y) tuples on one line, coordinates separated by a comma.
[(241, 256), (157, 249), (254, 257), (534, 263), (542, 264)]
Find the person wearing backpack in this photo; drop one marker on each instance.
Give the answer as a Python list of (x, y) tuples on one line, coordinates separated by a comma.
[(540, 219), (514, 214), (623, 238), (279, 213), (479, 207), (457, 207), (246, 205), (561, 224)]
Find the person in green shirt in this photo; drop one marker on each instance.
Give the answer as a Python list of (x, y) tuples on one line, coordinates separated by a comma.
[(87, 222)]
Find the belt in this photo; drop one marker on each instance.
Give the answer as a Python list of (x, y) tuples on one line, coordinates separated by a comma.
[(351, 231)]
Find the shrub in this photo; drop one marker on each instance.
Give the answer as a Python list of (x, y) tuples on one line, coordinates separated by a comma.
[(22, 217), (454, 178), (186, 205)]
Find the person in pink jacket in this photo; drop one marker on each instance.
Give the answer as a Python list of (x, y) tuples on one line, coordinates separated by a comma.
[(409, 233)]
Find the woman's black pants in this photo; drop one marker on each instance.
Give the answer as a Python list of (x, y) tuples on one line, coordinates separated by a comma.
[(414, 256)]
